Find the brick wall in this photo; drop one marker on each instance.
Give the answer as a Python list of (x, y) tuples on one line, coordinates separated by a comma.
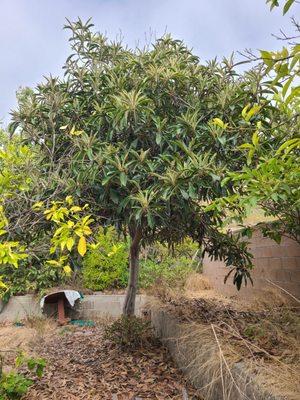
[(279, 263)]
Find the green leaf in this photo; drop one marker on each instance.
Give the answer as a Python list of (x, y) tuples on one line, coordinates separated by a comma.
[(286, 86), (287, 6), (289, 144), (114, 196), (150, 220), (255, 138), (246, 146), (225, 180), (31, 364), (123, 178), (250, 156), (185, 194), (267, 57), (158, 138)]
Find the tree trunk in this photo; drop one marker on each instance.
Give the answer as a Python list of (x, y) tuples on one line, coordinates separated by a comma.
[(129, 304)]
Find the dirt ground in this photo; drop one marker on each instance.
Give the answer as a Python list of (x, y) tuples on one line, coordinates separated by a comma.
[(81, 364)]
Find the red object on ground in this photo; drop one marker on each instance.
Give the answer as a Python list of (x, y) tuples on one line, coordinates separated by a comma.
[(59, 298), (61, 311)]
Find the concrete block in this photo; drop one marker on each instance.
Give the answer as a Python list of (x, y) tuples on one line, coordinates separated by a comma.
[(269, 259), (274, 263), (282, 275), (295, 276), (292, 250), (92, 306), (20, 307), (289, 263), (87, 305), (291, 287)]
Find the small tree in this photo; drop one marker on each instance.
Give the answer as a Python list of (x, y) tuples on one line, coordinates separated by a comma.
[(270, 175), (142, 136)]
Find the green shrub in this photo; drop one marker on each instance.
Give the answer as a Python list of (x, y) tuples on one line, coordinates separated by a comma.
[(169, 266), (15, 385), (172, 271), (106, 265), (30, 278)]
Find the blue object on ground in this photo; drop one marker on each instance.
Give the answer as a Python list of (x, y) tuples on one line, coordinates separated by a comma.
[(19, 324), (82, 323)]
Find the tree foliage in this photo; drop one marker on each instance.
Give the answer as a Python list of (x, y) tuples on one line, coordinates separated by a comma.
[(270, 176), (145, 137)]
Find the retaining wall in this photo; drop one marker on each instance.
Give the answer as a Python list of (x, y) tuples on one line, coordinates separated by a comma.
[(193, 358), (279, 263), (92, 306)]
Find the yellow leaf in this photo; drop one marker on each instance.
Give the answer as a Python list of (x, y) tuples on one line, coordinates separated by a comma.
[(67, 269), (94, 245), (70, 244), (73, 132), (53, 262), (38, 205), (255, 138), (70, 224), (245, 110), (218, 122), (247, 113), (86, 230), (2, 284), (254, 110), (82, 246), (69, 200), (75, 209)]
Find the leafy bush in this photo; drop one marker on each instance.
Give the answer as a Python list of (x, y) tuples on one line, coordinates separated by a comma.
[(171, 271), (129, 332), (169, 267), (14, 385), (106, 264), (27, 278)]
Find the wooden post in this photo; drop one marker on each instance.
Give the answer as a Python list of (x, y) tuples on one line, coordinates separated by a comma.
[(61, 311)]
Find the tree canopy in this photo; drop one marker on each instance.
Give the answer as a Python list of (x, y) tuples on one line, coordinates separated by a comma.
[(145, 137)]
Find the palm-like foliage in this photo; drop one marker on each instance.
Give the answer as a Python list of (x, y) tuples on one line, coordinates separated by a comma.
[(139, 137)]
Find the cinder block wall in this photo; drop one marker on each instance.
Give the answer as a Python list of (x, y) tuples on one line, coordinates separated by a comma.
[(279, 263), (92, 306)]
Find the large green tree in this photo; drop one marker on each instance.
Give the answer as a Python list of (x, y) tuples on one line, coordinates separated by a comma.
[(145, 136)]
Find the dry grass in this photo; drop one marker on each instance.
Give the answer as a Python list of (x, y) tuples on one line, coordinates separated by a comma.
[(222, 334), (197, 283), (227, 349), (15, 338), (43, 326), (257, 216)]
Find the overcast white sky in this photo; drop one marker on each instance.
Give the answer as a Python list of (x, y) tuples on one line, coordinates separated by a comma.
[(33, 44)]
